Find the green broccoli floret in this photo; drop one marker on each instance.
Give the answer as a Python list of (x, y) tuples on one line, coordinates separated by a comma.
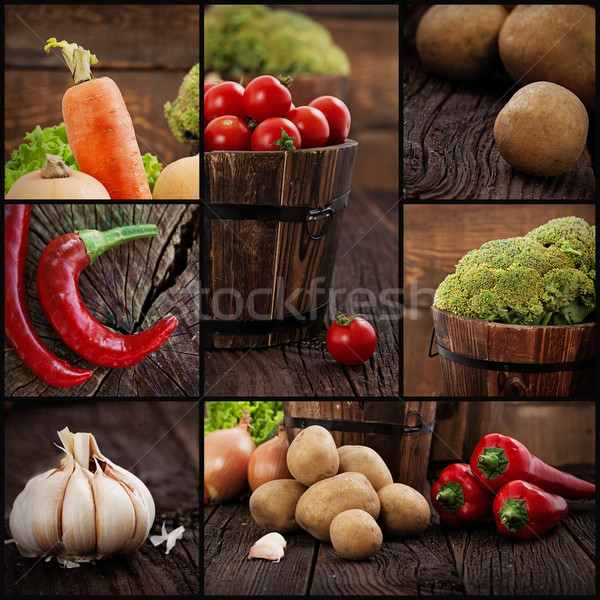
[(183, 114), (523, 281)]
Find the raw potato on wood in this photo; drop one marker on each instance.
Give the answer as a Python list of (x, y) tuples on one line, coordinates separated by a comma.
[(312, 455), (355, 534), (362, 459), (542, 130), (461, 40), (554, 43), (404, 511), (273, 505), (324, 500)]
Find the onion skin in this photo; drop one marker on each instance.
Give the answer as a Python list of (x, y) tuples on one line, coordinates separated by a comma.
[(269, 461), (226, 456)]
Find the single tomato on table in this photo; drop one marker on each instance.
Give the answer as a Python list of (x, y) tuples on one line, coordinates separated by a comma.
[(227, 133), (276, 133), (351, 340)]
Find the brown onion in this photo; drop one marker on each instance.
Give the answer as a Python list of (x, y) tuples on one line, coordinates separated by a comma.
[(269, 461), (226, 456)]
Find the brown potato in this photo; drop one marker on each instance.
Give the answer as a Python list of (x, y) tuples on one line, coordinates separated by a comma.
[(542, 130), (554, 43), (362, 459), (273, 505), (404, 511), (328, 498), (312, 455), (461, 40), (355, 534)]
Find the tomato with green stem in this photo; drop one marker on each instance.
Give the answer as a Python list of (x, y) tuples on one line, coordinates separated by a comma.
[(351, 340), (276, 133), (267, 96)]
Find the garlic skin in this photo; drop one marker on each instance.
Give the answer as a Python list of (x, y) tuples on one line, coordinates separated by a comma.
[(88, 508)]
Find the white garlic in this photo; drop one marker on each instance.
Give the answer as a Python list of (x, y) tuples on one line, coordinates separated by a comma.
[(270, 546), (88, 508)]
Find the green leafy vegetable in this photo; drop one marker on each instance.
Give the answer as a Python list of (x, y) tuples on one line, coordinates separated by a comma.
[(227, 414), (152, 166)]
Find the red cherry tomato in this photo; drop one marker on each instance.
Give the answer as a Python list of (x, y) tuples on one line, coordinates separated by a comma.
[(351, 340), (337, 115), (209, 84), (269, 132), (226, 98), (227, 133), (311, 124), (266, 97)]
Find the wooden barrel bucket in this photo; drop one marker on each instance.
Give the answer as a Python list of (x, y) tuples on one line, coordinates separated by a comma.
[(400, 432), (484, 359), (271, 227)]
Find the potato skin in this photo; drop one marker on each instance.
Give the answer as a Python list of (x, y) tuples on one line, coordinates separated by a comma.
[(404, 511), (355, 534), (313, 456), (362, 459), (542, 130), (328, 498), (461, 40), (273, 505), (554, 43)]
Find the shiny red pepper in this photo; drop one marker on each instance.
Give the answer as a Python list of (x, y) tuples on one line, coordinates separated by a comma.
[(459, 497), (58, 273), (524, 510), (498, 459), (17, 324)]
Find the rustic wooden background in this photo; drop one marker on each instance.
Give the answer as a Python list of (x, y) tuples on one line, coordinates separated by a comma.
[(449, 149), (365, 280), (155, 276), (436, 236), (369, 34), (146, 49), (158, 442)]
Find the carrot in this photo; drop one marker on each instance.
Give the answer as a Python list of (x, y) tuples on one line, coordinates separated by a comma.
[(99, 128)]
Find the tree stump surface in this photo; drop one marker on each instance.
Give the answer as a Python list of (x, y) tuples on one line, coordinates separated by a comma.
[(128, 289), (449, 148)]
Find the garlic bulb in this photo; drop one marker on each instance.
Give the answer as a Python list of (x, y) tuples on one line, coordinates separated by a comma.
[(88, 508)]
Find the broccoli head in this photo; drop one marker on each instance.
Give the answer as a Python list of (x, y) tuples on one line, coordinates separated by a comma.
[(524, 281), (183, 115)]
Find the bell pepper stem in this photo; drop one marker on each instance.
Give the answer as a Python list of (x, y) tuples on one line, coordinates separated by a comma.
[(492, 462), (513, 515), (451, 496)]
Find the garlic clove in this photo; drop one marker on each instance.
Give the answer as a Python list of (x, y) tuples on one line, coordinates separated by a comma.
[(141, 522), (46, 509), (79, 515), (115, 516), (270, 546), (81, 449)]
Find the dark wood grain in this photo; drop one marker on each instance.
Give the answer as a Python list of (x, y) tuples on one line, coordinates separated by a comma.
[(129, 288), (473, 559), (365, 280), (158, 442), (449, 149)]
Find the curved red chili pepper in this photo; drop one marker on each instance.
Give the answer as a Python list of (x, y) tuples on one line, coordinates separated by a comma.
[(58, 273), (498, 459), (459, 497), (17, 324), (526, 511)]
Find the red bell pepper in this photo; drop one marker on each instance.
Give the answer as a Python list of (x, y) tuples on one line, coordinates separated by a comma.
[(459, 497), (526, 511), (498, 459)]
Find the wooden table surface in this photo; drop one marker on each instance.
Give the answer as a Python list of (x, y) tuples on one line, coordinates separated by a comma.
[(366, 280), (474, 560), (159, 443)]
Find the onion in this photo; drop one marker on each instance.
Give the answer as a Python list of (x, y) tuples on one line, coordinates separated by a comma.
[(269, 460), (226, 456)]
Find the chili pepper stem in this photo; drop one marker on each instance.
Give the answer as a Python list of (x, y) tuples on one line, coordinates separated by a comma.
[(97, 242), (489, 462), (513, 515)]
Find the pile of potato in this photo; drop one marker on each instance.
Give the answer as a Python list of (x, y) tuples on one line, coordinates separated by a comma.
[(344, 495)]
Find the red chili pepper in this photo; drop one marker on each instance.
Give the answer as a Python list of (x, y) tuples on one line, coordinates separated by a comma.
[(524, 510), (459, 497), (498, 459), (58, 273), (17, 325)]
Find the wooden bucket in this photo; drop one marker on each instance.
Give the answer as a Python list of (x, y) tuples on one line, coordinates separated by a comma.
[(400, 432), (271, 227), (484, 359)]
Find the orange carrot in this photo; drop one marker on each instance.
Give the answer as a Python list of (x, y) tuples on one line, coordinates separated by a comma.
[(99, 128)]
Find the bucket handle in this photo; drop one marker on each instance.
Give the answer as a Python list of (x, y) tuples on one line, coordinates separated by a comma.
[(316, 214)]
